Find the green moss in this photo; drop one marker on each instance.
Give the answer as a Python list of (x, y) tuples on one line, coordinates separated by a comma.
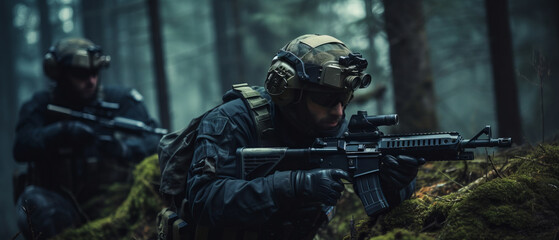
[(521, 204), (543, 161), (135, 217), (105, 204), (402, 234), (410, 215)]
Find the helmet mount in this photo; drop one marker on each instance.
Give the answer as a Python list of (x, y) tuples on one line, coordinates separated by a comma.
[(313, 62), (73, 53)]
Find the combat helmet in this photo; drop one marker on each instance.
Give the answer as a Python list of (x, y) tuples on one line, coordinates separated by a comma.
[(73, 53), (315, 62)]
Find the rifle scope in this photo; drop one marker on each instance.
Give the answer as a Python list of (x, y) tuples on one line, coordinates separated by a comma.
[(361, 122)]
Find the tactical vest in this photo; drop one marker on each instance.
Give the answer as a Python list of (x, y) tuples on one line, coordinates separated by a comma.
[(259, 109), (173, 163)]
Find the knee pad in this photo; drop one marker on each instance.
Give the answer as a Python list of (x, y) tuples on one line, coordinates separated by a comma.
[(45, 212)]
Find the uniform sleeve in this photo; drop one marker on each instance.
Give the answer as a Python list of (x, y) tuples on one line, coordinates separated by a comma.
[(139, 147), (29, 142), (216, 194)]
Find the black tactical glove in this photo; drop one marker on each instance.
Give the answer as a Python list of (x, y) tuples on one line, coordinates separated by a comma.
[(321, 185), (114, 148), (68, 133), (396, 175)]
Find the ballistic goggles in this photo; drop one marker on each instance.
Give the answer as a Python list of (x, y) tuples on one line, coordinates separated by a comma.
[(82, 73), (329, 98)]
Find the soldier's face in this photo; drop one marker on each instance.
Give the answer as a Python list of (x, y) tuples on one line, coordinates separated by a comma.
[(325, 117), (85, 85)]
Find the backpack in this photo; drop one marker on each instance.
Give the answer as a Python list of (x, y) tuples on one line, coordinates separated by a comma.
[(176, 149)]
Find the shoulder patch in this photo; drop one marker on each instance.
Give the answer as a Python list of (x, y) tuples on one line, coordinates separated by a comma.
[(136, 95)]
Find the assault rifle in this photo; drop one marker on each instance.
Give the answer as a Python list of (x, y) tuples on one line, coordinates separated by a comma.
[(117, 123), (360, 150)]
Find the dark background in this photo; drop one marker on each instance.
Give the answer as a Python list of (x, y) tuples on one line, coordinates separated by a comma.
[(442, 65)]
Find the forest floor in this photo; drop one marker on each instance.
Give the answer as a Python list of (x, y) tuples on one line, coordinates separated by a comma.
[(135, 217), (507, 195)]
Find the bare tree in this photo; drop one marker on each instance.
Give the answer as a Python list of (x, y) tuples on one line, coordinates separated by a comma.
[(411, 70), (8, 104), (45, 25), (506, 93), (159, 61), (93, 15), (230, 56)]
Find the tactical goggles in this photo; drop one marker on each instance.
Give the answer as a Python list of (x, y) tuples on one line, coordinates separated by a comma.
[(344, 73), (82, 73), (330, 99)]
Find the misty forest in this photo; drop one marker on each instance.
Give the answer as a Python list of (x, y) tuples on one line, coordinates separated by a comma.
[(440, 65)]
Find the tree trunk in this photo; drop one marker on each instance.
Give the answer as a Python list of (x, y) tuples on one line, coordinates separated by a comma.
[(506, 94), (228, 42), (93, 15), (159, 61), (46, 39), (9, 104), (413, 81), (46, 32)]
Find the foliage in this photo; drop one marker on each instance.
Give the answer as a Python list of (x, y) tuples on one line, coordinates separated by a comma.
[(520, 204), (348, 211), (402, 234), (135, 217)]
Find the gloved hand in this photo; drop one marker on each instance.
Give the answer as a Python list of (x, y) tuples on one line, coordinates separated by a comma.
[(321, 185), (114, 148), (70, 133), (396, 174)]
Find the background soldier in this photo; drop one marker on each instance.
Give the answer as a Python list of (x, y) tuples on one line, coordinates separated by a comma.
[(72, 160), (309, 84)]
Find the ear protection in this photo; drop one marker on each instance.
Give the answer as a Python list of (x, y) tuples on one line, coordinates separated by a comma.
[(289, 73), (283, 78), (325, 66), (50, 64), (90, 57)]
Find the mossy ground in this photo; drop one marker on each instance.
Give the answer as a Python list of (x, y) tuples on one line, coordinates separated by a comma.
[(518, 202), (135, 217)]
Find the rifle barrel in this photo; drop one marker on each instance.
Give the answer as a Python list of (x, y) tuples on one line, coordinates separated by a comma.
[(493, 142), (117, 122)]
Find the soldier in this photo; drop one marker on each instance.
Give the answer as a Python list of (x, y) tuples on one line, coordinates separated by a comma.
[(70, 161), (309, 84)]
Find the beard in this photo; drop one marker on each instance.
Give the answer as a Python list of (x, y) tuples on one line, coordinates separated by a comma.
[(303, 126), (72, 97)]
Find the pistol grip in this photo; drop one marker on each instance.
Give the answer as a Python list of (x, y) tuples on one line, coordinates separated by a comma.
[(369, 190)]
